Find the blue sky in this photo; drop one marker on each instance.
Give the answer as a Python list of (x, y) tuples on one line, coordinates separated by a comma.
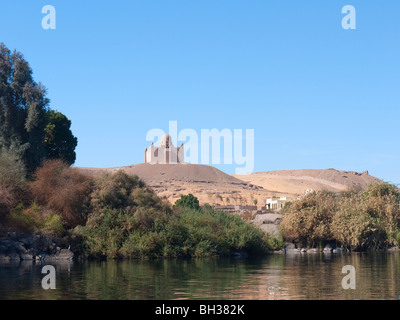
[(316, 95)]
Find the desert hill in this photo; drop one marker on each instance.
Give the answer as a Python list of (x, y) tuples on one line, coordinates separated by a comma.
[(213, 186), (184, 172), (297, 181)]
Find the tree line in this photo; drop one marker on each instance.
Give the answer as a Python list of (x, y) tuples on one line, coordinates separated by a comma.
[(30, 131)]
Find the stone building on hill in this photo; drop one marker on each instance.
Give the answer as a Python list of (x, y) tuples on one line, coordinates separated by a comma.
[(165, 153)]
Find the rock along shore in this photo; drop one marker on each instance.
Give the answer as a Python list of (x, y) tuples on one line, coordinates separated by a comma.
[(17, 247)]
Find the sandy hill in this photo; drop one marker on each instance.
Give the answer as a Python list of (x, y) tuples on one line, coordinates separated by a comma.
[(213, 186), (207, 183), (184, 172), (297, 181)]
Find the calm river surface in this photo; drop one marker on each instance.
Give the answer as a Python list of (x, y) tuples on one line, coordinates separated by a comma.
[(300, 276)]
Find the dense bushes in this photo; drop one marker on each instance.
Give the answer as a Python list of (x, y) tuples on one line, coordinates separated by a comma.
[(63, 190), (55, 199), (308, 220), (356, 219), (128, 220), (187, 233)]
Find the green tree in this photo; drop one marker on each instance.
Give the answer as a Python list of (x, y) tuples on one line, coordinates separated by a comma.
[(23, 104), (188, 201), (12, 171), (59, 141), (12, 182), (25, 120)]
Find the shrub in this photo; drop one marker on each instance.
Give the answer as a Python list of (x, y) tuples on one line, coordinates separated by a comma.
[(116, 191), (105, 236), (20, 220), (369, 218), (275, 243), (352, 226), (12, 183), (150, 233), (188, 201), (308, 220), (6, 198), (63, 190), (35, 218), (357, 219), (52, 224)]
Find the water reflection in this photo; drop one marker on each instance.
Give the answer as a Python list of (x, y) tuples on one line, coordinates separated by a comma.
[(298, 276)]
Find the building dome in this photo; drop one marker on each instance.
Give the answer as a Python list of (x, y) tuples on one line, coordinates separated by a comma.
[(165, 153), (166, 141)]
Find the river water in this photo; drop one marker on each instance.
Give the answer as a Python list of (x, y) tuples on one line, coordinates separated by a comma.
[(298, 276)]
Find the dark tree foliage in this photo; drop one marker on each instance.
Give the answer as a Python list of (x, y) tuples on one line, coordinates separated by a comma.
[(188, 201), (12, 183), (59, 141), (24, 114)]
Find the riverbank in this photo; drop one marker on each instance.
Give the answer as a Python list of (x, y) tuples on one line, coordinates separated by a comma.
[(292, 248), (15, 246)]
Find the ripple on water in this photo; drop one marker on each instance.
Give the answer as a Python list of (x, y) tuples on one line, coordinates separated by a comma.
[(276, 277)]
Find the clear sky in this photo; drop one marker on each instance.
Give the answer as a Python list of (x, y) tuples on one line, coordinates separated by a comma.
[(316, 95)]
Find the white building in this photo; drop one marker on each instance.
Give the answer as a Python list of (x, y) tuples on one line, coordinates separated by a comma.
[(165, 153), (277, 203)]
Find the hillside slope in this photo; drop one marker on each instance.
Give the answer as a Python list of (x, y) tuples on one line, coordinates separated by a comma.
[(297, 181), (213, 186), (207, 183)]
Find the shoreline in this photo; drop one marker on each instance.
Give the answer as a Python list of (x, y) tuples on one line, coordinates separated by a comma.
[(19, 247), (15, 246)]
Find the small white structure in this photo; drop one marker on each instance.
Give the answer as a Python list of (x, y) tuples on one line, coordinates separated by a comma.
[(277, 203), (309, 191), (165, 153)]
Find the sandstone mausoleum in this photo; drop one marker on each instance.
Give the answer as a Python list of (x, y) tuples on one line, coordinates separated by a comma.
[(165, 153)]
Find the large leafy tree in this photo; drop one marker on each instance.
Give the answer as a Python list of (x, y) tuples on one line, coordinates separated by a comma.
[(59, 141), (24, 115)]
